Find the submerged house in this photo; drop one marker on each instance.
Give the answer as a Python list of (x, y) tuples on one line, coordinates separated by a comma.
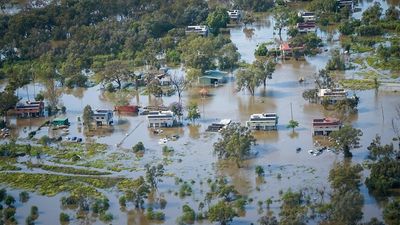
[(331, 95), (161, 119), (199, 29), (103, 117), (264, 121), (325, 126), (234, 14), (213, 78), (306, 27), (29, 109)]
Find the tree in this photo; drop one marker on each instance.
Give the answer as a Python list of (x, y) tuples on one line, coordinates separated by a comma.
[(179, 83), (346, 138), (221, 212), (188, 216), (217, 19), (292, 209), (8, 100), (198, 53), (235, 143), (392, 13), (346, 200), (249, 78), (87, 116), (372, 14), (293, 124), (228, 56), (9, 200), (193, 112), (113, 71), (391, 213), (261, 50), (383, 52), (64, 218), (136, 191), (265, 69), (310, 95), (259, 171), (281, 16), (154, 174), (177, 109), (336, 62), (268, 220)]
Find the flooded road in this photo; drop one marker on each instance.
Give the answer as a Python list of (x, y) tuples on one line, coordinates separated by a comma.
[(193, 158)]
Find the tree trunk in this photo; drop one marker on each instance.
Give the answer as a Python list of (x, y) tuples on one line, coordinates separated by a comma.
[(346, 151), (280, 33), (265, 82)]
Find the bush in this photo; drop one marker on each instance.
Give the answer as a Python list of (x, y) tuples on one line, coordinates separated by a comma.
[(138, 147), (29, 220), (64, 218), (185, 190), (34, 212), (106, 217), (154, 215), (369, 30), (9, 213), (188, 216), (259, 171), (122, 201), (261, 50), (24, 196), (3, 194), (9, 200), (39, 97)]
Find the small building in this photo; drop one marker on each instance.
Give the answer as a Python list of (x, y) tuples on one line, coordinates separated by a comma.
[(286, 50), (161, 119), (103, 117), (29, 109), (213, 78), (60, 122), (234, 14), (325, 126), (344, 3), (216, 127), (264, 121), (307, 16), (332, 95), (306, 27), (199, 29)]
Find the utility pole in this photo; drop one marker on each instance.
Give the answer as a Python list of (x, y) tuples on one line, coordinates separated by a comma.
[(291, 111)]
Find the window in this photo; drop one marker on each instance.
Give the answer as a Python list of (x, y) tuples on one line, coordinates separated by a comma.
[(102, 117)]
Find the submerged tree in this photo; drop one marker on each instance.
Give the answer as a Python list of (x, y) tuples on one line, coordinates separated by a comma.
[(235, 143), (154, 174), (293, 124), (87, 116), (281, 15), (346, 138), (222, 212), (179, 83), (193, 112)]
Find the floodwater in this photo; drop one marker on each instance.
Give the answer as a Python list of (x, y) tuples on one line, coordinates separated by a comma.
[(193, 158)]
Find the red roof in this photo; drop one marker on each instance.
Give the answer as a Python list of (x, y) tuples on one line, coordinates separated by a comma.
[(285, 46), (326, 121)]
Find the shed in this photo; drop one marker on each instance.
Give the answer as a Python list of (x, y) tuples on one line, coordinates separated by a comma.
[(212, 77)]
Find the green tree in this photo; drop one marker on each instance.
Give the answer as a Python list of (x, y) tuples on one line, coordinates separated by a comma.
[(310, 95), (228, 56), (261, 50), (87, 116), (235, 143), (249, 78), (116, 71), (221, 212), (188, 216), (346, 200), (336, 62), (8, 100), (392, 13), (281, 16), (372, 14), (265, 69), (193, 112), (293, 210), (198, 53), (136, 191), (391, 213), (346, 138), (259, 171), (64, 218), (293, 124), (217, 19), (154, 174)]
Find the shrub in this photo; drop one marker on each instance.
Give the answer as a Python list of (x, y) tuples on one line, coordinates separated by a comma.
[(138, 147), (9, 200), (34, 212), (106, 217), (259, 171), (122, 201), (24, 196), (64, 218)]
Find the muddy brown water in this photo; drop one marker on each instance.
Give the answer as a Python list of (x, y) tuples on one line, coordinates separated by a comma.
[(276, 150)]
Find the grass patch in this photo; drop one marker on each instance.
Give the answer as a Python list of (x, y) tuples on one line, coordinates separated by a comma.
[(358, 84), (8, 165), (50, 185), (69, 170)]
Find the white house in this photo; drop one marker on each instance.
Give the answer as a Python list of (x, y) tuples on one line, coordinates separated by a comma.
[(307, 16), (103, 117), (234, 14), (325, 126), (264, 121), (161, 119), (332, 95), (199, 29)]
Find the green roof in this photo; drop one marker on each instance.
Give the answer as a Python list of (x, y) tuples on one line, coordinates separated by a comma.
[(60, 119)]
